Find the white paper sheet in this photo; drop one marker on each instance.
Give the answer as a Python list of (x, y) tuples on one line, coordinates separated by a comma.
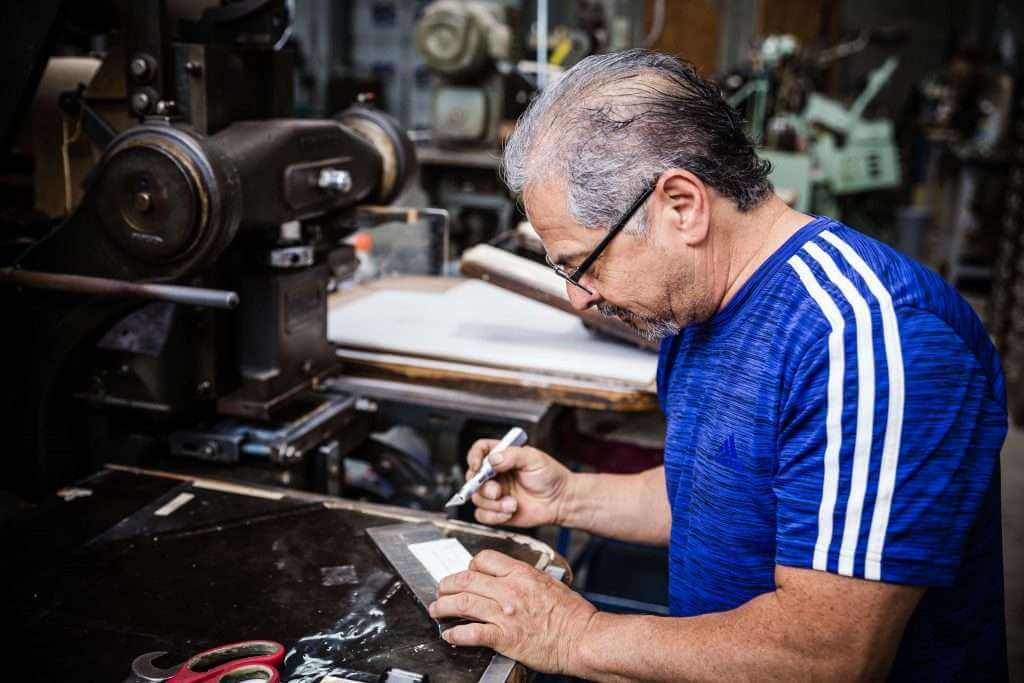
[(442, 557), (479, 323)]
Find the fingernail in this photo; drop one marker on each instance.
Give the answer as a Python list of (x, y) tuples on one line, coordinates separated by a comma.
[(444, 634), (509, 505), (497, 458), (430, 609)]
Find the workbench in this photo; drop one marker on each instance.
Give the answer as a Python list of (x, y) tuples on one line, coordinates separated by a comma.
[(577, 414), (515, 378), (131, 561)]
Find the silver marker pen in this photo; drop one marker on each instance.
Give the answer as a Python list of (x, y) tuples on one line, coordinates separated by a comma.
[(515, 437)]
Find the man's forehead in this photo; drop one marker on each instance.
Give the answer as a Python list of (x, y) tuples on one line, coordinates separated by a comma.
[(546, 209), (545, 201)]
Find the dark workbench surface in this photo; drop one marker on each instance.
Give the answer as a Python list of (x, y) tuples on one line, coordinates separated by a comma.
[(91, 582)]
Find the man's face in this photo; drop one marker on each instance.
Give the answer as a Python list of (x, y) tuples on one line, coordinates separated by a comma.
[(634, 279)]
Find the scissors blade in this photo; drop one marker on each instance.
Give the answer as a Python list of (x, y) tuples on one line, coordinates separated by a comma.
[(147, 672)]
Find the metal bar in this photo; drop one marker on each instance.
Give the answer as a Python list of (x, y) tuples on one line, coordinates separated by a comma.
[(542, 44), (499, 670), (192, 296)]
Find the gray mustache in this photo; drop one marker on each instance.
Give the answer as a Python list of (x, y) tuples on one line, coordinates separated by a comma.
[(653, 328)]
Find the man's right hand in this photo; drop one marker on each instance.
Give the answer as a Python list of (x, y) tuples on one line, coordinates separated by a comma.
[(530, 489)]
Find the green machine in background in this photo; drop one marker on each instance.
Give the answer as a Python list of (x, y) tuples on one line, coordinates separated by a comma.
[(820, 148), (463, 43)]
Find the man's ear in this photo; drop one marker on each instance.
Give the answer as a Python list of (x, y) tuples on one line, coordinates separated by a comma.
[(682, 205)]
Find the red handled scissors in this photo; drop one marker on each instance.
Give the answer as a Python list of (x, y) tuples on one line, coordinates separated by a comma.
[(250, 660)]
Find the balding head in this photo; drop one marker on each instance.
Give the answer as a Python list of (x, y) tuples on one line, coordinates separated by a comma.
[(612, 123)]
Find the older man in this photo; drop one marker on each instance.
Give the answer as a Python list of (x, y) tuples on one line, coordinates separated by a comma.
[(830, 493)]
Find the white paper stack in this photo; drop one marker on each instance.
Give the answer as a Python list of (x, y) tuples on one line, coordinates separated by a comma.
[(476, 322)]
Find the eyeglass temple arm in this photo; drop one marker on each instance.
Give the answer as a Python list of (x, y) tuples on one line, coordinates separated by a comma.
[(616, 229)]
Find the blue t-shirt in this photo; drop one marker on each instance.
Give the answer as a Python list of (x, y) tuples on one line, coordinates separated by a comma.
[(844, 412)]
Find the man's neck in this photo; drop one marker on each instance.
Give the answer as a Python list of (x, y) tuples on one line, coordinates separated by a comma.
[(751, 238)]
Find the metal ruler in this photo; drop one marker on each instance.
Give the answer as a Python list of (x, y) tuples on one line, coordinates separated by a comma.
[(393, 541)]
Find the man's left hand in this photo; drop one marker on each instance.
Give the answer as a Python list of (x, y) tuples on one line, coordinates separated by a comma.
[(523, 613)]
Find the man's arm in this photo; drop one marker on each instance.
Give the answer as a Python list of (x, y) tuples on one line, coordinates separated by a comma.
[(625, 507), (532, 488), (815, 625)]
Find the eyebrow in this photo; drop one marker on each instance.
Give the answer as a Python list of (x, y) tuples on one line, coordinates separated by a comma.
[(564, 258)]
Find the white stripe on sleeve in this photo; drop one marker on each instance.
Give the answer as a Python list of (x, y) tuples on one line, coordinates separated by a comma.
[(894, 421), (865, 406), (833, 413)]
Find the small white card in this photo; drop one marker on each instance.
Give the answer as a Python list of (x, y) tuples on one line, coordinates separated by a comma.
[(442, 557)]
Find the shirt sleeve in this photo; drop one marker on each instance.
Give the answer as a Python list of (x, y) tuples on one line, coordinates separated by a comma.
[(881, 477)]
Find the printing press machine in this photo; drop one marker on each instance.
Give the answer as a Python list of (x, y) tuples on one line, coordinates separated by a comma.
[(208, 201), (177, 305), (166, 284)]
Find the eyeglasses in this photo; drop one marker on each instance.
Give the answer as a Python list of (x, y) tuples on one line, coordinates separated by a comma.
[(574, 277)]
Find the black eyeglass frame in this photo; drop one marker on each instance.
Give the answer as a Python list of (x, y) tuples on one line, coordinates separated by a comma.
[(580, 270)]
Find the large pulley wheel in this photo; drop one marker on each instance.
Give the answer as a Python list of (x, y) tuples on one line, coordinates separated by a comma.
[(159, 195), (389, 139), (150, 203)]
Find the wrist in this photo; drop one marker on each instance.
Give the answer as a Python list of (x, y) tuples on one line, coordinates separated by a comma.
[(570, 511), (585, 659)]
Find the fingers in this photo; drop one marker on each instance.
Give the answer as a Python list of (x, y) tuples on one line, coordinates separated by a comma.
[(482, 635), (493, 518), (476, 454), (466, 605), (496, 564), (493, 507), (516, 458), (489, 496), (506, 504), (491, 489), (494, 511), (485, 586)]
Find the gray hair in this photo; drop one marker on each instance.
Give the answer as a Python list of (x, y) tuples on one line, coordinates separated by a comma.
[(614, 122)]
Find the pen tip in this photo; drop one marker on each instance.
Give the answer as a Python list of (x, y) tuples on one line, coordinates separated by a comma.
[(455, 501)]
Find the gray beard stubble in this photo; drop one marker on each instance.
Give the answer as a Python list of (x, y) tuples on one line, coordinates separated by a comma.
[(654, 328)]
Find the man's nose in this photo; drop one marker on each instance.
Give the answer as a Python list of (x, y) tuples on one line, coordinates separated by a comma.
[(579, 299)]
